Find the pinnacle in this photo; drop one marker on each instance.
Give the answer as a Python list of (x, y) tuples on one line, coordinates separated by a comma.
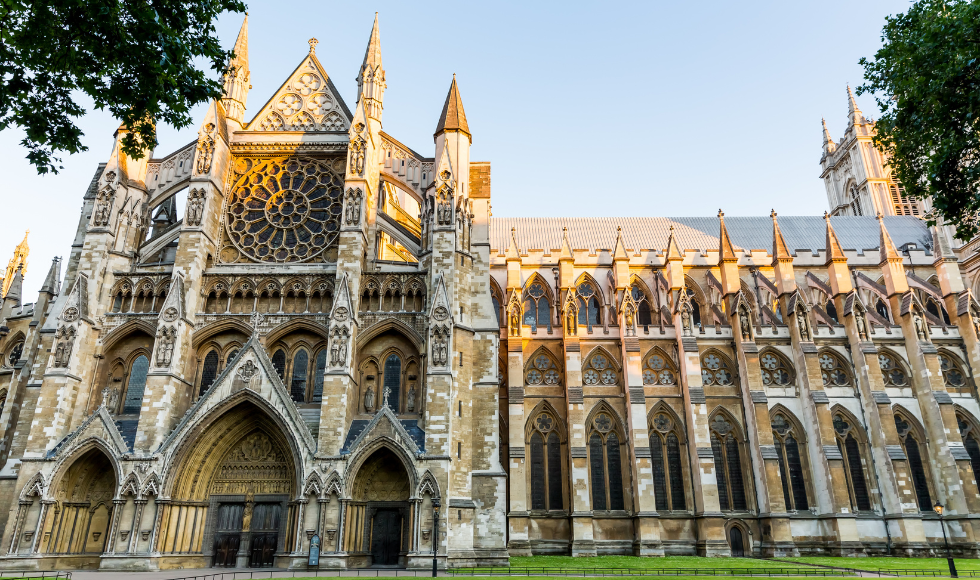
[(241, 45), (673, 251), (51, 282), (834, 251), (372, 55), (779, 249), (886, 247), (453, 117), (726, 251)]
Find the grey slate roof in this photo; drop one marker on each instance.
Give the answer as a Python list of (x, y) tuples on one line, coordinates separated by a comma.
[(802, 233)]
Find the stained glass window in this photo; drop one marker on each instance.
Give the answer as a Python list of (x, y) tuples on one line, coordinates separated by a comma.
[(209, 371), (854, 466), (716, 370), (658, 371), (952, 374), (599, 371), (542, 371), (892, 370), (666, 461), (297, 388), (546, 471), (321, 367), (393, 381), (537, 308), (588, 305), (136, 385), (914, 455), (605, 465), (833, 370), (775, 370), (726, 450), (787, 441)]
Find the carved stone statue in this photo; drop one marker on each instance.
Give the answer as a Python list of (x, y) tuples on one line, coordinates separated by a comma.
[(356, 161), (920, 326), (410, 398), (338, 346), (744, 324), (369, 399), (976, 322), (570, 325), (803, 325), (109, 397), (686, 320), (65, 342), (247, 517), (862, 325), (352, 213), (630, 321), (102, 208), (165, 350), (515, 321), (205, 149), (195, 207)]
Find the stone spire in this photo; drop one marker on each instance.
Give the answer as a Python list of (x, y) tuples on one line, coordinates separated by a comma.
[(673, 250), (52, 282), (371, 78), (15, 287), (236, 88), (19, 260), (726, 251), (834, 251), (780, 253), (828, 144), (854, 114), (453, 118), (886, 247)]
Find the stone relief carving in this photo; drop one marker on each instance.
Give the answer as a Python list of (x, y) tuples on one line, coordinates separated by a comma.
[(338, 346), (248, 370), (64, 341), (195, 206), (369, 398), (104, 201), (803, 323), (440, 346), (167, 339), (205, 148), (110, 397), (352, 211), (745, 322), (355, 163), (410, 398), (920, 325), (170, 314)]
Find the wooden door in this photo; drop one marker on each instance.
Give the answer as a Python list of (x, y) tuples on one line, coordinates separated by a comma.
[(738, 545), (386, 537), (265, 535), (227, 535)]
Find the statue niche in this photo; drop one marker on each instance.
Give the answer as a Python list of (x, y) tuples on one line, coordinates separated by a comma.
[(380, 509)]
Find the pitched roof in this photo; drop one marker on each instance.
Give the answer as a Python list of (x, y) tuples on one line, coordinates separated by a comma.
[(453, 117), (802, 233)]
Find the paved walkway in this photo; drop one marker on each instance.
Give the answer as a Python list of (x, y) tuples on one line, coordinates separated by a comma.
[(245, 574)]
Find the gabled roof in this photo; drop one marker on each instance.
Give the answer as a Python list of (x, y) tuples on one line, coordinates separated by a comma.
[(306, 101)]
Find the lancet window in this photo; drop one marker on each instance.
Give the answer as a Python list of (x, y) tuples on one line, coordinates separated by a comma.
[(136, 385), (695, 306), (605, 464), (537, 308), (726, 450), (644, 316), (834, 371), (497, 308), (892, 370), (971, 440), (297, 386), (209, 371), (717, 370), (776, 370), (665, 457), (882, 309), (790, 443), (658, 369), (544, 449), (542, 371), (599, 370), (588, 305), (279, 362), (850, 450), (914, 447), (319, 370)]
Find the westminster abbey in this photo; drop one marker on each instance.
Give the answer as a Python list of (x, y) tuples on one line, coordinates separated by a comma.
[(333, 344)]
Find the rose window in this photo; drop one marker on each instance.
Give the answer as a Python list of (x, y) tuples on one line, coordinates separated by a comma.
[(656, 371), (598, 372), (285, 210), (545, 423), (774, 371), (542, 371)]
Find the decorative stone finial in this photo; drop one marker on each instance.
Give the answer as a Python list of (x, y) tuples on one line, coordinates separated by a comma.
[(772, 214), (721, 214), (313, 42), (255, 320)]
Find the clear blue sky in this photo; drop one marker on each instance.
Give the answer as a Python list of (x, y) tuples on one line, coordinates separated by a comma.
[(583, 108)]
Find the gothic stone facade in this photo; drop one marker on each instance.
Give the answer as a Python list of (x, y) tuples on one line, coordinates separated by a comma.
[(336, 342)]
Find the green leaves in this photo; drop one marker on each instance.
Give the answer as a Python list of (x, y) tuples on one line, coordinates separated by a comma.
[(926, 81), (132, 57)]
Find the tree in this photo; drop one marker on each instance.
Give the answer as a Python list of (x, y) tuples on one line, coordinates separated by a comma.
[(132, 57), (926, 80)]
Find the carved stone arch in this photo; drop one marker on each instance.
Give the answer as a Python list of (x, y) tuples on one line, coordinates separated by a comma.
[(130, 486), (201, 445), (145, 284), (599, 349), (723, 362), (914, 424), (497, 291), (78, 451), (313, 485), (214, 285), (749, 297), (543, 406), (738, 430), (662, 407), (360, 456), (782, 362), (123, 331), (391, 283), (792, 418), (858, 429), (284, 329), (35, 487), (543, 350), (122, 285), (240, 286), (322, 284), (883, 350), (291, 286), (428, 485), (652, 369), (586, 277), (391, 324), (270, 285), (744, 531), (699, 295), (333, 484), (957, 360), (619, 425), (638, 281), (151, 486), (229, 348), (537, 277), (217, 328), (841, 364)]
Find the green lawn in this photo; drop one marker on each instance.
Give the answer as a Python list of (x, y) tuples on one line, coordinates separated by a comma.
[(638, 562), (888, 563)]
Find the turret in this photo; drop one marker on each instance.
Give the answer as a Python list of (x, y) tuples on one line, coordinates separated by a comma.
[(371, 78), (236, 88)]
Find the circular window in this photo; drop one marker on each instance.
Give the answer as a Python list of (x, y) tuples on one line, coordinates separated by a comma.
[(285, 210)]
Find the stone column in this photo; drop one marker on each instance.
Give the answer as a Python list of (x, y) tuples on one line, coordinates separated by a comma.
[(300, 524), (39, 529), (117, 505), (137, 520)]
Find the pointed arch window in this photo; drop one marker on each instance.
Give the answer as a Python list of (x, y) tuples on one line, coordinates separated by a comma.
[(833, 370), (790, 447), (644, 316), (665, 457), (892, 370), (831, 310), (231, 356), (542, 371), (882, 309), (588, 305), (850, 451), (393, 381), (546, 463), (13, 355), (717, 370), (605, 465), (318, 374), (658, 370), (936, 309), (776, 371), (953, 375), (914, 450), (208, 371), (279, 362), (537, 308), (496, 310), (971, 442), (599, 371), (726, 450), (695, 306), (297, 386), (136, 385)]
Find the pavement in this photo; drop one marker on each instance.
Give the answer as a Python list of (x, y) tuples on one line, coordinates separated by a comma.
[(244, 574)]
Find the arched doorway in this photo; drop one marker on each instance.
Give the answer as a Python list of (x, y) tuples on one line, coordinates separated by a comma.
[(379, 514), (232, 492), (80, 519), (736, 541)]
